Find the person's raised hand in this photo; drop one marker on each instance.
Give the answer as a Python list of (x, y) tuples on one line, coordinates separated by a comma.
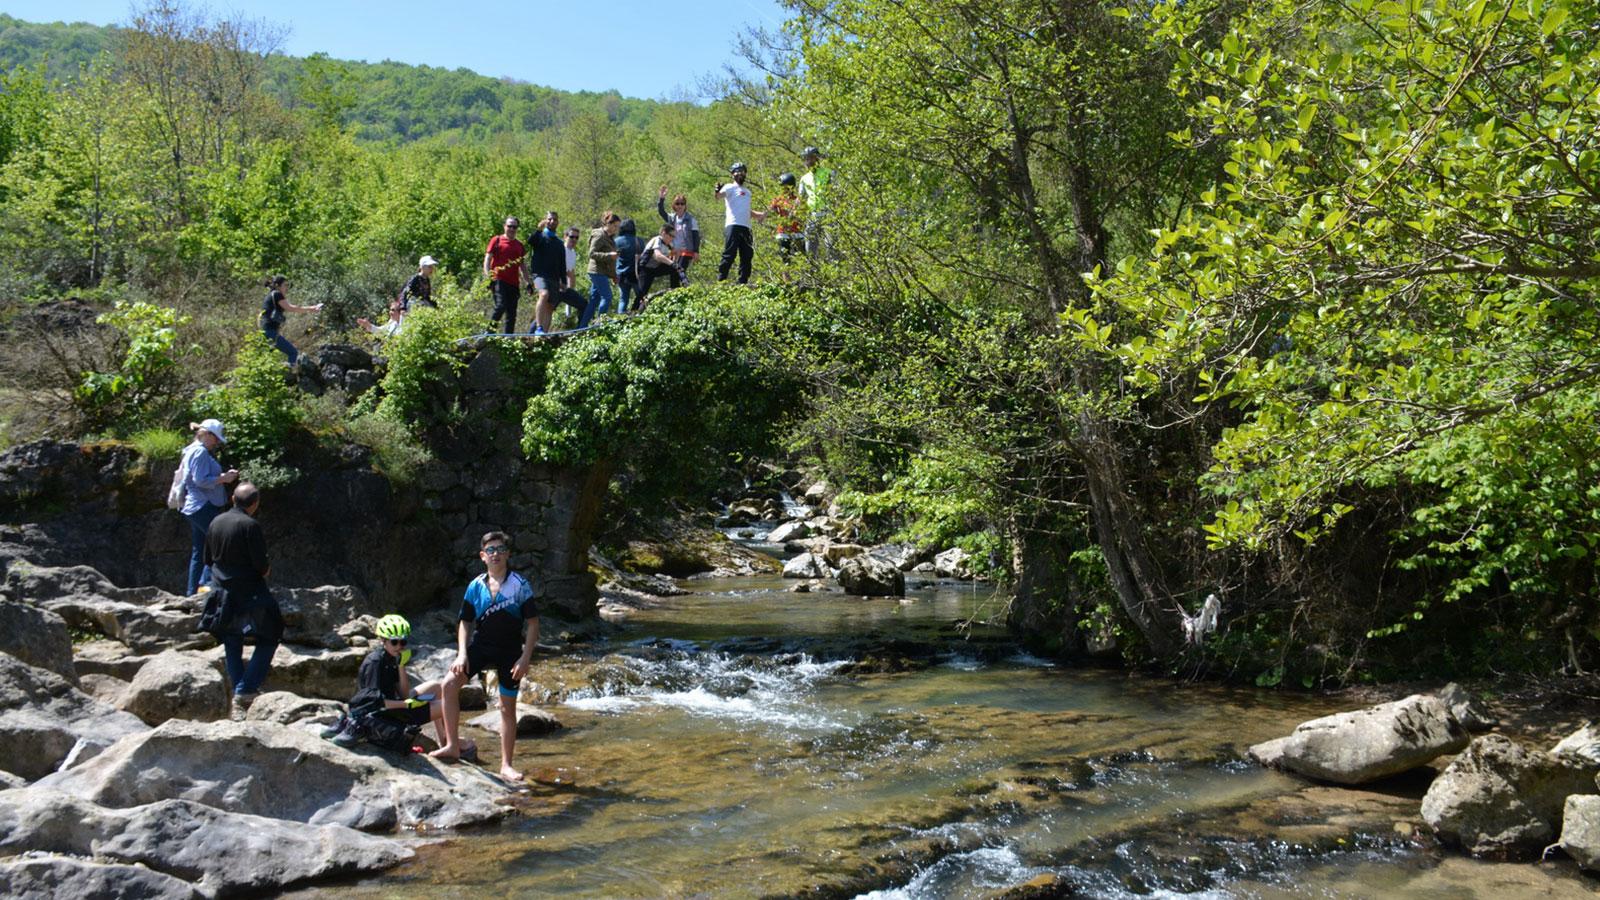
[(663, 194)]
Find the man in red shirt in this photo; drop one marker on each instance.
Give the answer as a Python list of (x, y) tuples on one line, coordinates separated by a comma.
[(505, 264)]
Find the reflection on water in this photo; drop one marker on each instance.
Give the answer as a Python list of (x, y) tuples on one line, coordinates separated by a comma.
[(748, 741)]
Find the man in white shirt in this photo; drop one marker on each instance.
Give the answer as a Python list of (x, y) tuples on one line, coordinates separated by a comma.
[(736, 237)]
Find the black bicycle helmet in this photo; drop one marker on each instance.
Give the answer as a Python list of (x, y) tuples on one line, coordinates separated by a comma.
[(786, 179), (810, 151), (736, 167)]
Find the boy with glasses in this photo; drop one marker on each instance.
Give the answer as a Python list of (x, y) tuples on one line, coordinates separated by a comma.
[(497, 614), (385, 710)]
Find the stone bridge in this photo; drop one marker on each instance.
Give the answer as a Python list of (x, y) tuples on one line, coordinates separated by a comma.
[(409, 546)]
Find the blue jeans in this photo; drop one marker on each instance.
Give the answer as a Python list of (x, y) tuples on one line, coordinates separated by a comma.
[(627, 286), (199, 523), (599, 298), (282, 343), (247, 679)]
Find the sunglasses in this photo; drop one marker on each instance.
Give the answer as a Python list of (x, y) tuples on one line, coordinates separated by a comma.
[(398, 642), (496, 550)]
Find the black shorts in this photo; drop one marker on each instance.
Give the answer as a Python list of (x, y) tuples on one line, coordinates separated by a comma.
[(500, 659)]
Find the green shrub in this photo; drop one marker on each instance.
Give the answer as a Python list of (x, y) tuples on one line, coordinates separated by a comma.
[(425, 351), (131, 394), (397, 453), (159, 443), (256, 404)]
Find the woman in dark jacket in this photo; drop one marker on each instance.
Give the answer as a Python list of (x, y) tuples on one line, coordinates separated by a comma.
[(273, 310)]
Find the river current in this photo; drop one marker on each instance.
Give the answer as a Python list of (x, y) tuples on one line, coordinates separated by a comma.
[(747, 741)]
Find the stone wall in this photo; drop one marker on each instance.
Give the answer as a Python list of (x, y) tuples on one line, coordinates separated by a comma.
[(410, 547)]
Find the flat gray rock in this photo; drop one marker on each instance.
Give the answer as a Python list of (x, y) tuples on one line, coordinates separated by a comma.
[(1367, 744), (284, 708), (44, 719), (55, 877), (308, 671), (249, 767), (217, 852)]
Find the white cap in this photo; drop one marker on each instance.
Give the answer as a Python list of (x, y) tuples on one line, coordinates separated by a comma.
[(427, 261), (215, 427)]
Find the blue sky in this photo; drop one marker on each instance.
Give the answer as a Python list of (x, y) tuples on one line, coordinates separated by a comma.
[(573, 45)]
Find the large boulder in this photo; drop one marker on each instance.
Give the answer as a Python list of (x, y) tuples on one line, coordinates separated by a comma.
[(36, 636), (1502, 799), (53, 877), (44, 720), (1580, 830), (868, 576), (1367, 744), (248, 767), (313, 616), (953, 563), (901, 556), (177, 685), (218, 852), (788, 531), (807, 565)]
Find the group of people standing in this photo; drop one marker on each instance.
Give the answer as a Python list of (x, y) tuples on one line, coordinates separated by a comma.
[(623, 269)]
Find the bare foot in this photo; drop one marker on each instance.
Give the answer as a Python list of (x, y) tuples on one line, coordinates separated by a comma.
[(510, 774), (446, 754)]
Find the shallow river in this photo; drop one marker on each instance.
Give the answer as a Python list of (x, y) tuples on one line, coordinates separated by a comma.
[(747, 741)]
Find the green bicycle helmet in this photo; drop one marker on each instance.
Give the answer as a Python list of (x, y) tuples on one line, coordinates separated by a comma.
[(393, 627)]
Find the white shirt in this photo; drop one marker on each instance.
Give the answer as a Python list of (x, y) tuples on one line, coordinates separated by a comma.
[(737, 198), (572, 264)]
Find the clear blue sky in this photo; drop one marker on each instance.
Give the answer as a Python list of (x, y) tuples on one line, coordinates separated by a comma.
[(573, 45)]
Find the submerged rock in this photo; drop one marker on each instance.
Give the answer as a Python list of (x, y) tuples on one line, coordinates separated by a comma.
[(1580, 830), (1502, 799), (44, 719), (531, 721), (1367, 744), (868, 576), (218, 852), (282, 773), (177, 685)]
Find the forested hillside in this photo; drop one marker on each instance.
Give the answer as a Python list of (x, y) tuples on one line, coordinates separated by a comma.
[(376, 101)]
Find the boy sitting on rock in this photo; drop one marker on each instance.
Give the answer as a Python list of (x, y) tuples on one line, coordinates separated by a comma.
[(384, 709), (498, 629)]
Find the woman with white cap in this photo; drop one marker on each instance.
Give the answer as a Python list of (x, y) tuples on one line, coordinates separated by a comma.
[(204, 494), (419, 290)]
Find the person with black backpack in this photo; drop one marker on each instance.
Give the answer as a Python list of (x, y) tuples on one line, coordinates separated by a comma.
[(385, 710), (273, 315)]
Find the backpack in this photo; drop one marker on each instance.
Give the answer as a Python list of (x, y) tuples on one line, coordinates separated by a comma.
[(389, 734), (179, 491)]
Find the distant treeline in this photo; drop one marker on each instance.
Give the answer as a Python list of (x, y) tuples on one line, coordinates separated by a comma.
[(376, 101)]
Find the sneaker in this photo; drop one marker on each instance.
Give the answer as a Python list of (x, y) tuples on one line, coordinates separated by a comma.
[(348, 736), (243, 701), (331, 731)]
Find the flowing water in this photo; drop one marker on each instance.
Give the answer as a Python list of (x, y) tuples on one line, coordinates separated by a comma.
[(748, 741)]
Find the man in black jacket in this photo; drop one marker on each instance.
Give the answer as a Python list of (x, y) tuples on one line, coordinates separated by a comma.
[(240, 604)]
